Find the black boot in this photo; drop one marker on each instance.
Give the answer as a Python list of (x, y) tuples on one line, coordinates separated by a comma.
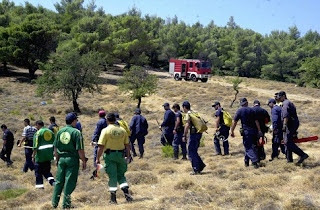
[(113, 198), (184, 157), (141, 156), (134, 153), (126, 194), (175, 156)]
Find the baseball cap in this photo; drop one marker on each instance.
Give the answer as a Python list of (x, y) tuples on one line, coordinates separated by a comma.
[(71, 117), (216, 103), (243, 101), (165, 104), (102, 112), (256, 102), (138, 111), (186, 103), (271, 100), (281, 93)]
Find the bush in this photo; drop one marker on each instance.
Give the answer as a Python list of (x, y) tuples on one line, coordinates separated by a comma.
[(11, 193), (167, 151)]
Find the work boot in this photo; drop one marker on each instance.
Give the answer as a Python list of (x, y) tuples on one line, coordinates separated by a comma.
[(113, 198), (175, 156), (255, 165), (126, 194), (184, 157), (134, 153), (202, 167), (195, 173), (141, 156), (246, 163), (302, 158)]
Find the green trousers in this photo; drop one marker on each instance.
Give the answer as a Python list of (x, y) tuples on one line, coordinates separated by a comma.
[(67, 176), (115, 166)]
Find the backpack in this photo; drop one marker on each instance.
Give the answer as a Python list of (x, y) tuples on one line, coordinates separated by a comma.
[(124, 125), (55, 129), (227, 119), (198, 122)]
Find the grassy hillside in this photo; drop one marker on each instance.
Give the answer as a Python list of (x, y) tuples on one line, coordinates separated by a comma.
[(161, 183)]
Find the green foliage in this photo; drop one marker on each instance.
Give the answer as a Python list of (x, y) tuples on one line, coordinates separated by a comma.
[(138, 83), (70, 73), (202, 144), (167, 151), (31, 116), (11, 193), (235, 83), (15, 112), (310, 70)]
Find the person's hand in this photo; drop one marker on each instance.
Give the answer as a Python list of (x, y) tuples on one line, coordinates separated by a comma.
[(33, 160), (128, 159), (160, 127), (174, 132), (260, 141), (284, 128), (97, 161), (184, 139), (217, 129), (232, 134), (92, 143), (84, 165)]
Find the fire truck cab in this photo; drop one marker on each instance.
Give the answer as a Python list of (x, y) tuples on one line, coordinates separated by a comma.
[(190, 69)]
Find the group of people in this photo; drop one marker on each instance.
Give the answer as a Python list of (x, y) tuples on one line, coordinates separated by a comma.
[(114, 140)]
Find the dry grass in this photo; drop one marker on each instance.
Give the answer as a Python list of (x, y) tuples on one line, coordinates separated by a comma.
[(162, 183)]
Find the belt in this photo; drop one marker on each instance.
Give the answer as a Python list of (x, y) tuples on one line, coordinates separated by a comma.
[(110, 150)]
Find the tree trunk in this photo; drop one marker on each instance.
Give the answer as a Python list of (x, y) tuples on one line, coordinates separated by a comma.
[(32, 73), (5, 67), (235, 98), (139, 102), (75, 106)]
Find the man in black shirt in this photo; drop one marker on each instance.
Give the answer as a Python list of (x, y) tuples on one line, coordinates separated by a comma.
[(8, 139)]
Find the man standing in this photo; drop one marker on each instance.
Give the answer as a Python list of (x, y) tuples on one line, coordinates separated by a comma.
[(167, 125), (194, 141), (42, 154), (222, 129), (112, 142), (277, 135), (53, 126), (7, 146), (263, 117), (68, 148), (27, 139), (102, 123), (290, 126), (178, 132), (248, 131), (139, 129)]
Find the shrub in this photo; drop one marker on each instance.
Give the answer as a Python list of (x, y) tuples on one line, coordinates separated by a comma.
[(167, 151), (11, 193)]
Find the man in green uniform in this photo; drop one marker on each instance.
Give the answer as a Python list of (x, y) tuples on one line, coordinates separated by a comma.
[(42, 154), (68, 149), (113, 140)]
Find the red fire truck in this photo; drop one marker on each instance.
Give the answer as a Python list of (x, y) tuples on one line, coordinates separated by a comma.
[(190, 69)]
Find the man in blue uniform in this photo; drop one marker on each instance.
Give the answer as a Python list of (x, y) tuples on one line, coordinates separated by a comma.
[(248, 131), (139, 129), (263, 117), (178, 132), (194, 141), (167, 125), (102, 123), (290, 126), (53, 126), (222, 129), (277, 135), (7, 146)]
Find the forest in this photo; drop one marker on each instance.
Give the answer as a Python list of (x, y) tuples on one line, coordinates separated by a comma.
[(30, 34)]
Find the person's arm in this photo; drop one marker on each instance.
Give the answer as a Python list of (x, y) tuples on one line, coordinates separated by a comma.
[(165, 120), (177, 123), (234, 124), (258, 126), (83, 158), (21, 141), (99, 153), (34, 155), (217, 123), (186, 129), (56, 155)]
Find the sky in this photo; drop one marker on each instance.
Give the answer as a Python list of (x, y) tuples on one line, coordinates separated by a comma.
[(262, 16)]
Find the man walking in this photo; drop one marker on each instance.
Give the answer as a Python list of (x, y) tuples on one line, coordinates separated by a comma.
[(27, 139), (68, 148), (112, 142), (248, 131), (42, 154), (139, 129), (7, 146), (167, 125), (290, 126), (194, 141), (178, 132), (222, 129), (53, 126)]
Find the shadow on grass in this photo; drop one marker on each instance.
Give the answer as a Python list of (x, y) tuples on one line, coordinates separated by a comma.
[(141, 199), (22, 77), (108, 81)]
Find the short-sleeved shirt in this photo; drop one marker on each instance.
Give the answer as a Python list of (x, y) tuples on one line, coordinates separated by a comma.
[(247, 117), (68, 141), (263, 117), (8, 136), (29, 132), (43, 143), (113, 137), (139, 125), (276, 117), (168, 119), (180, 126), (289, 111)]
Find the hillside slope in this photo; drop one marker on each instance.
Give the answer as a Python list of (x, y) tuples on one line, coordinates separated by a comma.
[(162, 183)]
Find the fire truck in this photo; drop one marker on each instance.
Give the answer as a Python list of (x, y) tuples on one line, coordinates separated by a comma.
[(190, 69)]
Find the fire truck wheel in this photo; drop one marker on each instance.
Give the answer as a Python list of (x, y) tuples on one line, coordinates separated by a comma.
[(194, 78), (204, 80), (176, 77)]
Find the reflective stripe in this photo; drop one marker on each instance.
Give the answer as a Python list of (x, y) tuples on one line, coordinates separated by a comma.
[(113, 189), (124, 185), (39, 186), (45, 146), (50, 178)]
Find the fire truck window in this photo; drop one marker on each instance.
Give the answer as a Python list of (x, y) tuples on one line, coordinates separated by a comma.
[(191, 65), (197, 65)]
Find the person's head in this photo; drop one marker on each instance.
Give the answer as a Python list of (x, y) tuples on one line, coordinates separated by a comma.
[(39, 124), (117, 115), (243, 102), (271, 103), (282, 96), (102, 114), (71, 119), (26, 122), (52, 119), (256, 103), (3, 127), (186, 106), (138, 111), (166, 106), (216, 105), (176, 107), (111, 118)]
